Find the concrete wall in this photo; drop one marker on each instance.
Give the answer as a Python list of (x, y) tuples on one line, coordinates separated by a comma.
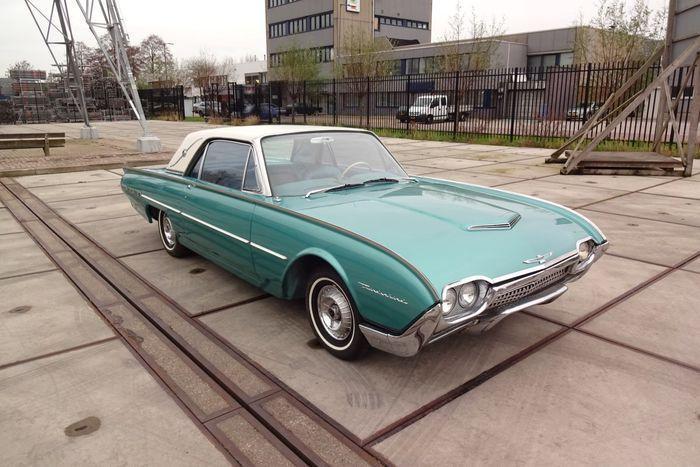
[(550, 41)]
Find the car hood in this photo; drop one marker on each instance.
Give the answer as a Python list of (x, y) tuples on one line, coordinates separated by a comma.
[(435, 225)]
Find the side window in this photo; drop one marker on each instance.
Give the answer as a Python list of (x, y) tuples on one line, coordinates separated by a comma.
[(444, 100), (250, 182), (224, 163), (194, 173)]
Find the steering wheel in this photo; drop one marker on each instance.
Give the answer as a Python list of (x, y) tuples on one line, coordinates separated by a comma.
[(353, 165)]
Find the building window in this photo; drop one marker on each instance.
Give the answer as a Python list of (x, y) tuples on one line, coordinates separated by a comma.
[(274, 3), (321, 54), (402, 23), (538, 64), (389, 99), (300, 25)]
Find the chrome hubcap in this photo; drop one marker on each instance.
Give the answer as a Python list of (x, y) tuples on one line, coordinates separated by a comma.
[(168, 232), (335, 312)]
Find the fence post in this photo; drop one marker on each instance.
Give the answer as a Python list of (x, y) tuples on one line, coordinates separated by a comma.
[(304, 102), (514, 94), (368, 100), (455, 103), (408, 103), (335, 104), (269, 103), (587, 91)]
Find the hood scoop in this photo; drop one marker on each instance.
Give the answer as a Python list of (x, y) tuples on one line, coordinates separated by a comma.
[(507, 225)]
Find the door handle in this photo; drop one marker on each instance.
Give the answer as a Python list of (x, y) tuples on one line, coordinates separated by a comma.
[(189, 186)]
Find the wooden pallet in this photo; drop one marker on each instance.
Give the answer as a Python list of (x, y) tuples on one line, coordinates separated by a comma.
[(626, 163)]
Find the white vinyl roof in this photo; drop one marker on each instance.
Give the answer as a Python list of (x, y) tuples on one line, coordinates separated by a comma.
[(249, 133)]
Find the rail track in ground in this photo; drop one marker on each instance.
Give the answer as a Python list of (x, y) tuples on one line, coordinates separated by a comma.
[(247, 413)]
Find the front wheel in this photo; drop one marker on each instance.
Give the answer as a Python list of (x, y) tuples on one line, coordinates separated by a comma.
[(168, 236), (429, 120), (333, 317)]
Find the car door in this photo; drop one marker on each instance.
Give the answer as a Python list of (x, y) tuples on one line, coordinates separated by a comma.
[(218, 205)]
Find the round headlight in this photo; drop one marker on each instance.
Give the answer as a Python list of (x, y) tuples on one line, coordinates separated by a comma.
[(468, 294), (584, 251), (449, 301)]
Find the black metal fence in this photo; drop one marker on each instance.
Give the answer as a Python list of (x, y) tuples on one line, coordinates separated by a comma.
[(163, 102), (536, 103)]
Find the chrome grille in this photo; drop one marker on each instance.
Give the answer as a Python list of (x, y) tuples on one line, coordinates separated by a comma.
[(539, 282)]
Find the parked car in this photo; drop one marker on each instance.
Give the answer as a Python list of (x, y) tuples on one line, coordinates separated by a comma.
[(206, 108), (302, 109), (402, 114), (582, 111), (268, 111), (381, 259), (429, 108)]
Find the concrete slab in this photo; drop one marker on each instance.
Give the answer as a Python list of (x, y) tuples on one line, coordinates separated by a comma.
[(72, 191), (139, 424), (610, 277), (493, 156), (473, 177), (577, 401), (8, 224), (366, 395), (646, 240), (661, 208), (418, 170), (613, 182), (93, 209), (43, 313), (450, 163), (20, 255), (195, 283), (510, 169), (679, 188), (569, 195), (662, 318), (32, 181), (124, 235)]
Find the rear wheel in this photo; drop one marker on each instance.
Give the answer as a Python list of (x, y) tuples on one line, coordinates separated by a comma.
[(333, 317), (168, 236)]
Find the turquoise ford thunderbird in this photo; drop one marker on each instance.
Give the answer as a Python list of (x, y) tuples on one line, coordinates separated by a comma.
[(381, 259)]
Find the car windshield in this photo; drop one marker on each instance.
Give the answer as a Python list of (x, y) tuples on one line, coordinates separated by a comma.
[(300, 163)]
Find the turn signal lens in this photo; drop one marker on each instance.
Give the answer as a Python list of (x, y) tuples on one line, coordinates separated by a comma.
[(448, 303), (468, 294), (584, 251)]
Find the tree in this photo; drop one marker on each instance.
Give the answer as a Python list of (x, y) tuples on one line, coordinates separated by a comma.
[(474, 53), (360, 55), (201, 69), (619, 34), (297, 65), (155, 59), (22, 65)]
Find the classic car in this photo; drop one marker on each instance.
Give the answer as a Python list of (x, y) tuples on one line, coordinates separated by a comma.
[(381, 259)]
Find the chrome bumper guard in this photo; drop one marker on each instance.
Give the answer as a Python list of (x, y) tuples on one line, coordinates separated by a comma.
[(432, 326)]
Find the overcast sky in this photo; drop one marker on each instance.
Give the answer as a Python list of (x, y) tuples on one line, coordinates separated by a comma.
[(237, 27)]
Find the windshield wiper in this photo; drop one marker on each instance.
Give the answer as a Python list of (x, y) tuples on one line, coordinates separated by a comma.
[(345, 186), (381, 180), (333, 188)]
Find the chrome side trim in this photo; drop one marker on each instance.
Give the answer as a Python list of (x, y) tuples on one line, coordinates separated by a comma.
[(170, 208), (217, 229), (268, 251), (213, 227)]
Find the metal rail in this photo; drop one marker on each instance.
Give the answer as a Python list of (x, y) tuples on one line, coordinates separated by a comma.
[(230, 398)]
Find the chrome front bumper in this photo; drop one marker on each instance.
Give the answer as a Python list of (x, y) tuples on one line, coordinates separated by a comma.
[(432, 326)]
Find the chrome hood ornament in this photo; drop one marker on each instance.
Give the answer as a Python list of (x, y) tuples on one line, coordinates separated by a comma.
[(539, 259)]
